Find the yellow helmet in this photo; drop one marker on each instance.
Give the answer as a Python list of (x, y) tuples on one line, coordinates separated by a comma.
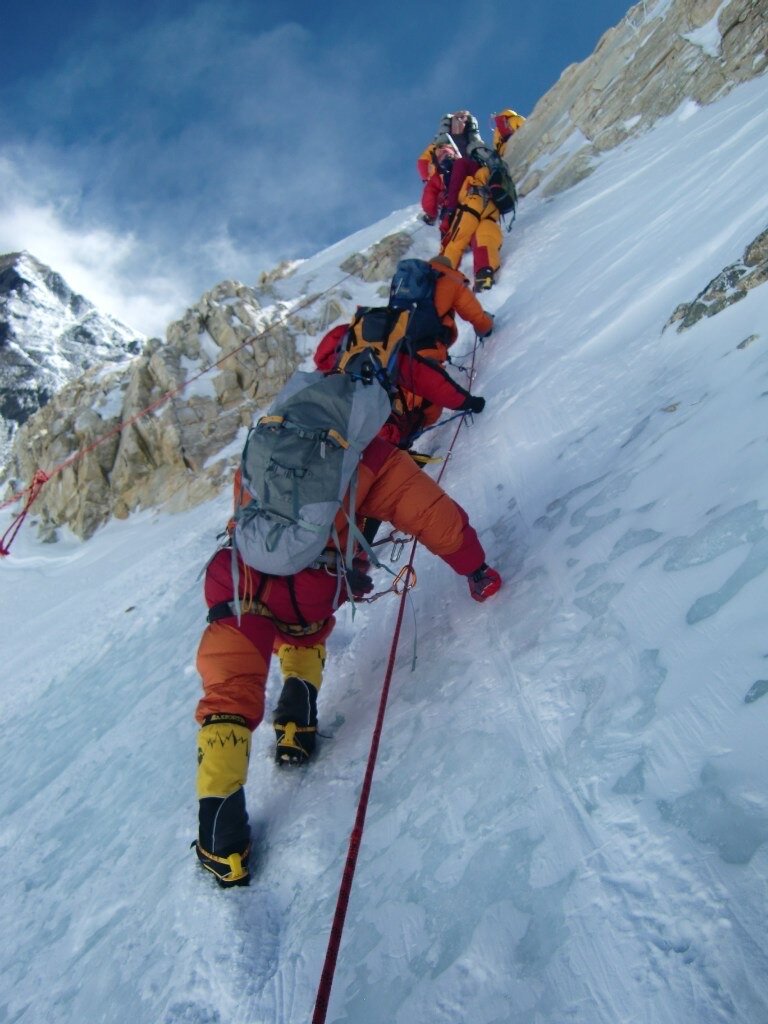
[(507, 122)]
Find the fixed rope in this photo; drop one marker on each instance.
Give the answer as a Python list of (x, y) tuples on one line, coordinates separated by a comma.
[(356, 837), (33, 490)]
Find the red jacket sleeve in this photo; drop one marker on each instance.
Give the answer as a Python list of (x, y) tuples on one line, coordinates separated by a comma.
[(427, 378), (329, 348), (432, 195)]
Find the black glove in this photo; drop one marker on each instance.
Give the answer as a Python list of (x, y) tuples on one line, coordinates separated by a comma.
[(427, 219), (489, 332), (473, 404), (472, 125), (359, 583)]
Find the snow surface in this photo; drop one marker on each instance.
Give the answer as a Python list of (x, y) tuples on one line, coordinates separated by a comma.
[(708, 35), (569, 814)]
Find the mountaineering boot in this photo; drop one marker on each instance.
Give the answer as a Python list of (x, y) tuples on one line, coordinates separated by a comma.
[(484, 279), (484, 583), (224, 842), (224, 835), (295, 722)]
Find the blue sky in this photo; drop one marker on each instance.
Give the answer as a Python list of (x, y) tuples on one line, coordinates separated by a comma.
[(151, 149)]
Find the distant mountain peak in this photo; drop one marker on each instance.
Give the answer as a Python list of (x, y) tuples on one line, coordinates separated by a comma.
[(49, 335)]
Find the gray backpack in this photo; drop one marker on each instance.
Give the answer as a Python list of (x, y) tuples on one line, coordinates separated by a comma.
[(298, 463)]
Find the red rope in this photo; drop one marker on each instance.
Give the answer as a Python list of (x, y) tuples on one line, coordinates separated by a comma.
[(32, 492), (356, 837)]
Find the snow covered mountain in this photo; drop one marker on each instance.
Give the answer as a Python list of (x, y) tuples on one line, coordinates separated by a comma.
[(569, 815), (48, 335)]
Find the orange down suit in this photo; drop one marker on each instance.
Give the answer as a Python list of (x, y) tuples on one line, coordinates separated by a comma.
[(233, 657), (424, 387)]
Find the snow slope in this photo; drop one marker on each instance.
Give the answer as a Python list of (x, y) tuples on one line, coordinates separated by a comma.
[(569, 814)]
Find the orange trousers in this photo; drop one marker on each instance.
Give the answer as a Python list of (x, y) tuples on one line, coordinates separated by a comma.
[(233, 662)]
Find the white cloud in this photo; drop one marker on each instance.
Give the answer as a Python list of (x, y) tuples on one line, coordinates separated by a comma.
[(102, 265), (205, 146)]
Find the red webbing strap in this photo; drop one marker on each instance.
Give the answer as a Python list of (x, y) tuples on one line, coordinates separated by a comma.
[(356, 836)]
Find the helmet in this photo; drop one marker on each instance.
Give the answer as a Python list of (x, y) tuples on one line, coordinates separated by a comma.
[(507, 122)]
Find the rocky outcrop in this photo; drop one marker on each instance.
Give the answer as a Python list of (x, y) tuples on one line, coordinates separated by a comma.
[(378, 263), (165, 430), (661, 54), (731, 285), (156, 432)]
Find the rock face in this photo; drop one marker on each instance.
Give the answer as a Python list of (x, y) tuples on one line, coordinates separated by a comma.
[(731, 285), (183, 400), (661, 54), (49, 335), (378, 264)]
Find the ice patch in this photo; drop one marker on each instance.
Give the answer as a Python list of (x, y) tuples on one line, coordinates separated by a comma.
[(712, 817)]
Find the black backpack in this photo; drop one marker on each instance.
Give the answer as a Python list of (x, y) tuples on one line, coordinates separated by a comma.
[(378, 333), (501, 187)]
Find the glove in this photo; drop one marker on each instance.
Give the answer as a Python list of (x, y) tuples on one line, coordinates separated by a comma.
[(489, 332), (473, 404), (472, 125), (427, 219), (359, 583), (484, 583)]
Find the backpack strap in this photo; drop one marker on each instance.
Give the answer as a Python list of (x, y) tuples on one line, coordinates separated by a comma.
[(355, 538)]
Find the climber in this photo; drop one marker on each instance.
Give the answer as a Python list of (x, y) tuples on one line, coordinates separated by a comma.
[(433, 196), (424, 387), (505, 124), (458, 131), (293, 616), (474, 217)]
